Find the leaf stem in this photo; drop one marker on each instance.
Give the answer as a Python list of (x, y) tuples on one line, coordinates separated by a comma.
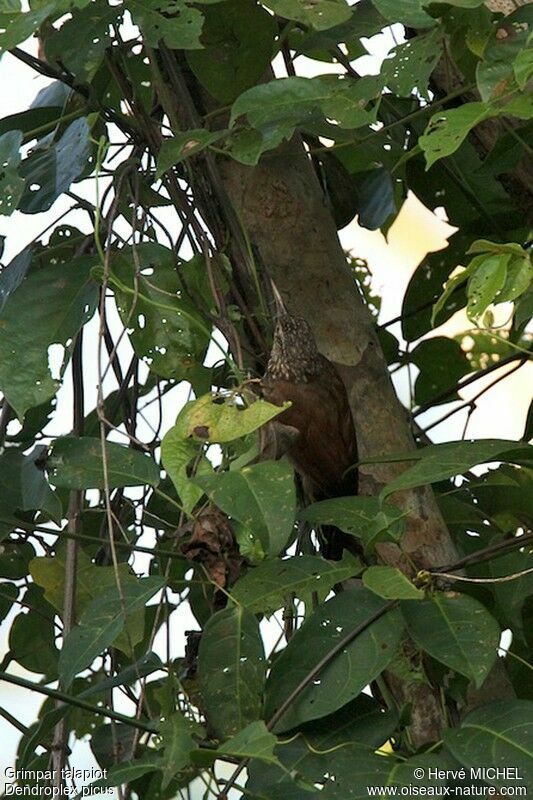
[(68, 699)]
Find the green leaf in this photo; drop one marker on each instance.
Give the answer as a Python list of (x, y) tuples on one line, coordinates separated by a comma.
[(487, 278), (365, 20), (50, 170), (439, 461), (76, 463), (126, 772), (17, 26), (91, 581), (412, 63), (510, 596), (67, 300), (362, 517), (518, 280), (223, 419), (448, 129), (361, 720), (177, 455), (348, 672), (499, 735), (11, 184), (321, 14), (254, 741), (238, 44), (101, 623), (408, 12), (13, 274), (178, 743), (81, 42), (523, 66), (278, 107), (391, 584), (376, 200), (345, 99), (146, 665), (32, 636), (173, 21), (261, 497), (456, 630), (266, 588), (24, 488), (442, 362), (8, 594), (246, 146), (451, 285), (345, 774), (15, 556), (184, 144), (167, 331), (459, 3), (231, 668), (495, 74), (337, 751)]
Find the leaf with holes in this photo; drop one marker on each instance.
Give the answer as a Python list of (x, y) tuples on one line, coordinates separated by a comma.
[(495, 73), (231, 669), (280, 105), (448, 129), (223, 419), (174, 22), (320, 14), (76, 463), (166, 329), (81, 42), (11, 184), (487, 278), (412, 63), (16, 26), (67, 300), (456, 630), (349, 670), (49, 170)]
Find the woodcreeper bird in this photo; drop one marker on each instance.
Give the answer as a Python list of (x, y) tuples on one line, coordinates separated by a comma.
[(326, 446)]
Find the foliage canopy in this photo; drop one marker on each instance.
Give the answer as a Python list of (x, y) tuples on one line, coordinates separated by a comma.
[(115, 517)]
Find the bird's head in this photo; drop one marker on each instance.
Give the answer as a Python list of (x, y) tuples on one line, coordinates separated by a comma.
[(294, 354)]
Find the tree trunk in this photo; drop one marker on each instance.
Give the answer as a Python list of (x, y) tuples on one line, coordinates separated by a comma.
[(282, 208)]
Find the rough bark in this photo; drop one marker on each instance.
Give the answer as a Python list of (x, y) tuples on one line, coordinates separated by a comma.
[(282, 207)]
